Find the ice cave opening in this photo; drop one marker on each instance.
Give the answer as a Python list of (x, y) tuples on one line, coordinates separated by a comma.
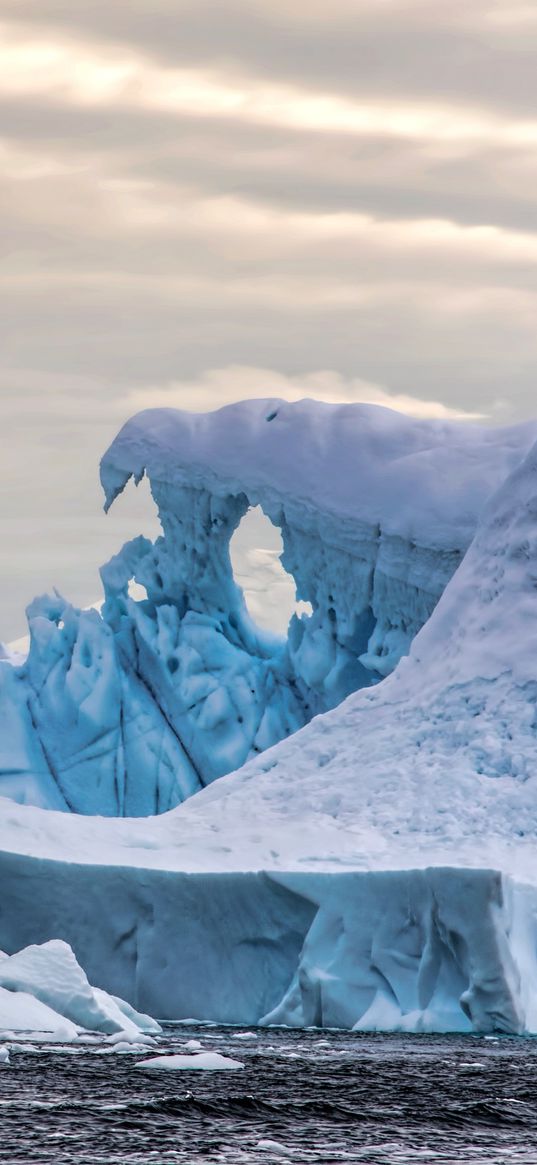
[(269, 590), (136, 590)]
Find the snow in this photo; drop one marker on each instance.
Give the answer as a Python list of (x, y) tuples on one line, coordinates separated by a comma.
[(130, 711), (203, 1062), (20, 1011), (374, 871), (322, 456), (44, 989)]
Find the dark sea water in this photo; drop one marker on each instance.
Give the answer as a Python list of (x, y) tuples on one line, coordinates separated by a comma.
[(305, 1097)]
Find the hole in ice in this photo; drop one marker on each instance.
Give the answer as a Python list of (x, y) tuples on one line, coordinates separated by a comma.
[(269, 590), (136, 590)]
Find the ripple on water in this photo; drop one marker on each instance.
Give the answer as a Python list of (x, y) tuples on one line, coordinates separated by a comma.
[(307, 1097)]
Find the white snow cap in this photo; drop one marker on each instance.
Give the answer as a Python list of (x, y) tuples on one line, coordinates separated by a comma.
[(421, 479)]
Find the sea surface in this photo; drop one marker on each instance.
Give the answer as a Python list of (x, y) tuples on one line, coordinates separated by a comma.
[(305, 1097)]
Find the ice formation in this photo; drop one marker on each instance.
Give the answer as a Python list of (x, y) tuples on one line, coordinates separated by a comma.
[(44, 989), (131, 711), (202, 1062), (376, 870)]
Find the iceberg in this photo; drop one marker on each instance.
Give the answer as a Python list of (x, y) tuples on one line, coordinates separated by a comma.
[(132, 710), (44, 989), (374, 870)]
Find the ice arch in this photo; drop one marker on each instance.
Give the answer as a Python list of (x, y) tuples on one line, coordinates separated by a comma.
[(256, 547), (133, 709)]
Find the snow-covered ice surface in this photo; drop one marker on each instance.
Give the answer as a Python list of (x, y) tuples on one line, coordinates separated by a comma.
[(131, 711), (376, 870), (43, 989)]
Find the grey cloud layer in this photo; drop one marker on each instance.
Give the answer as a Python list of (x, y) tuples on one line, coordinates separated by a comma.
[(481, 51), (196, 186)]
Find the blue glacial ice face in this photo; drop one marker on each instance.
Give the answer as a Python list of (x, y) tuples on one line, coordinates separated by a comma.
[(131, 710)]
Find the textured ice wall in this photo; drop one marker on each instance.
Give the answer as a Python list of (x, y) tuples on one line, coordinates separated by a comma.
[(131, 712), (416, 950)]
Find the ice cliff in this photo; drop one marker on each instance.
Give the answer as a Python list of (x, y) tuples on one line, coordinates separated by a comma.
[(375, 870), (131, 711)]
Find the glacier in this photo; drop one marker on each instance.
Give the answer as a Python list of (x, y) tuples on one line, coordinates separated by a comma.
[(130, 710), (374, 870)]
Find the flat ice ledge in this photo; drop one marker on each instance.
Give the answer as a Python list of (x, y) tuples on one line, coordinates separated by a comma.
[(436, 949)]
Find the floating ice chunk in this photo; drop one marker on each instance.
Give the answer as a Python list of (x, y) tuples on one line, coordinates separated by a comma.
[(51, 974), (129, 1037), (43, 988), (193, 1046), (268, 1146), (134, 1047), (204, 1061), (4, 1056)]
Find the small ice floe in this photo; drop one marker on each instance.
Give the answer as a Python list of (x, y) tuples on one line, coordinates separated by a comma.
[(193, 1046), (127, 1041), (121, 1047), (203, 1061), (275, 1147), (4, 1056), (129, 1037), (244, 1036)]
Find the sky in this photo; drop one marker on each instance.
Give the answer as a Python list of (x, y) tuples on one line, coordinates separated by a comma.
[(203, 200)]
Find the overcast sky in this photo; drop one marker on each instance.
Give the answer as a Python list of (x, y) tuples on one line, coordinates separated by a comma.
[(209, 199)]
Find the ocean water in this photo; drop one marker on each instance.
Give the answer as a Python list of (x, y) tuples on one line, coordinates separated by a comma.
[(305, 1097)]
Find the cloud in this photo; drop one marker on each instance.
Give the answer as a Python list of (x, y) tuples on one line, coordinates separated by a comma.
[(201, 199), (470, 53), (220, 386), (68, 70)]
